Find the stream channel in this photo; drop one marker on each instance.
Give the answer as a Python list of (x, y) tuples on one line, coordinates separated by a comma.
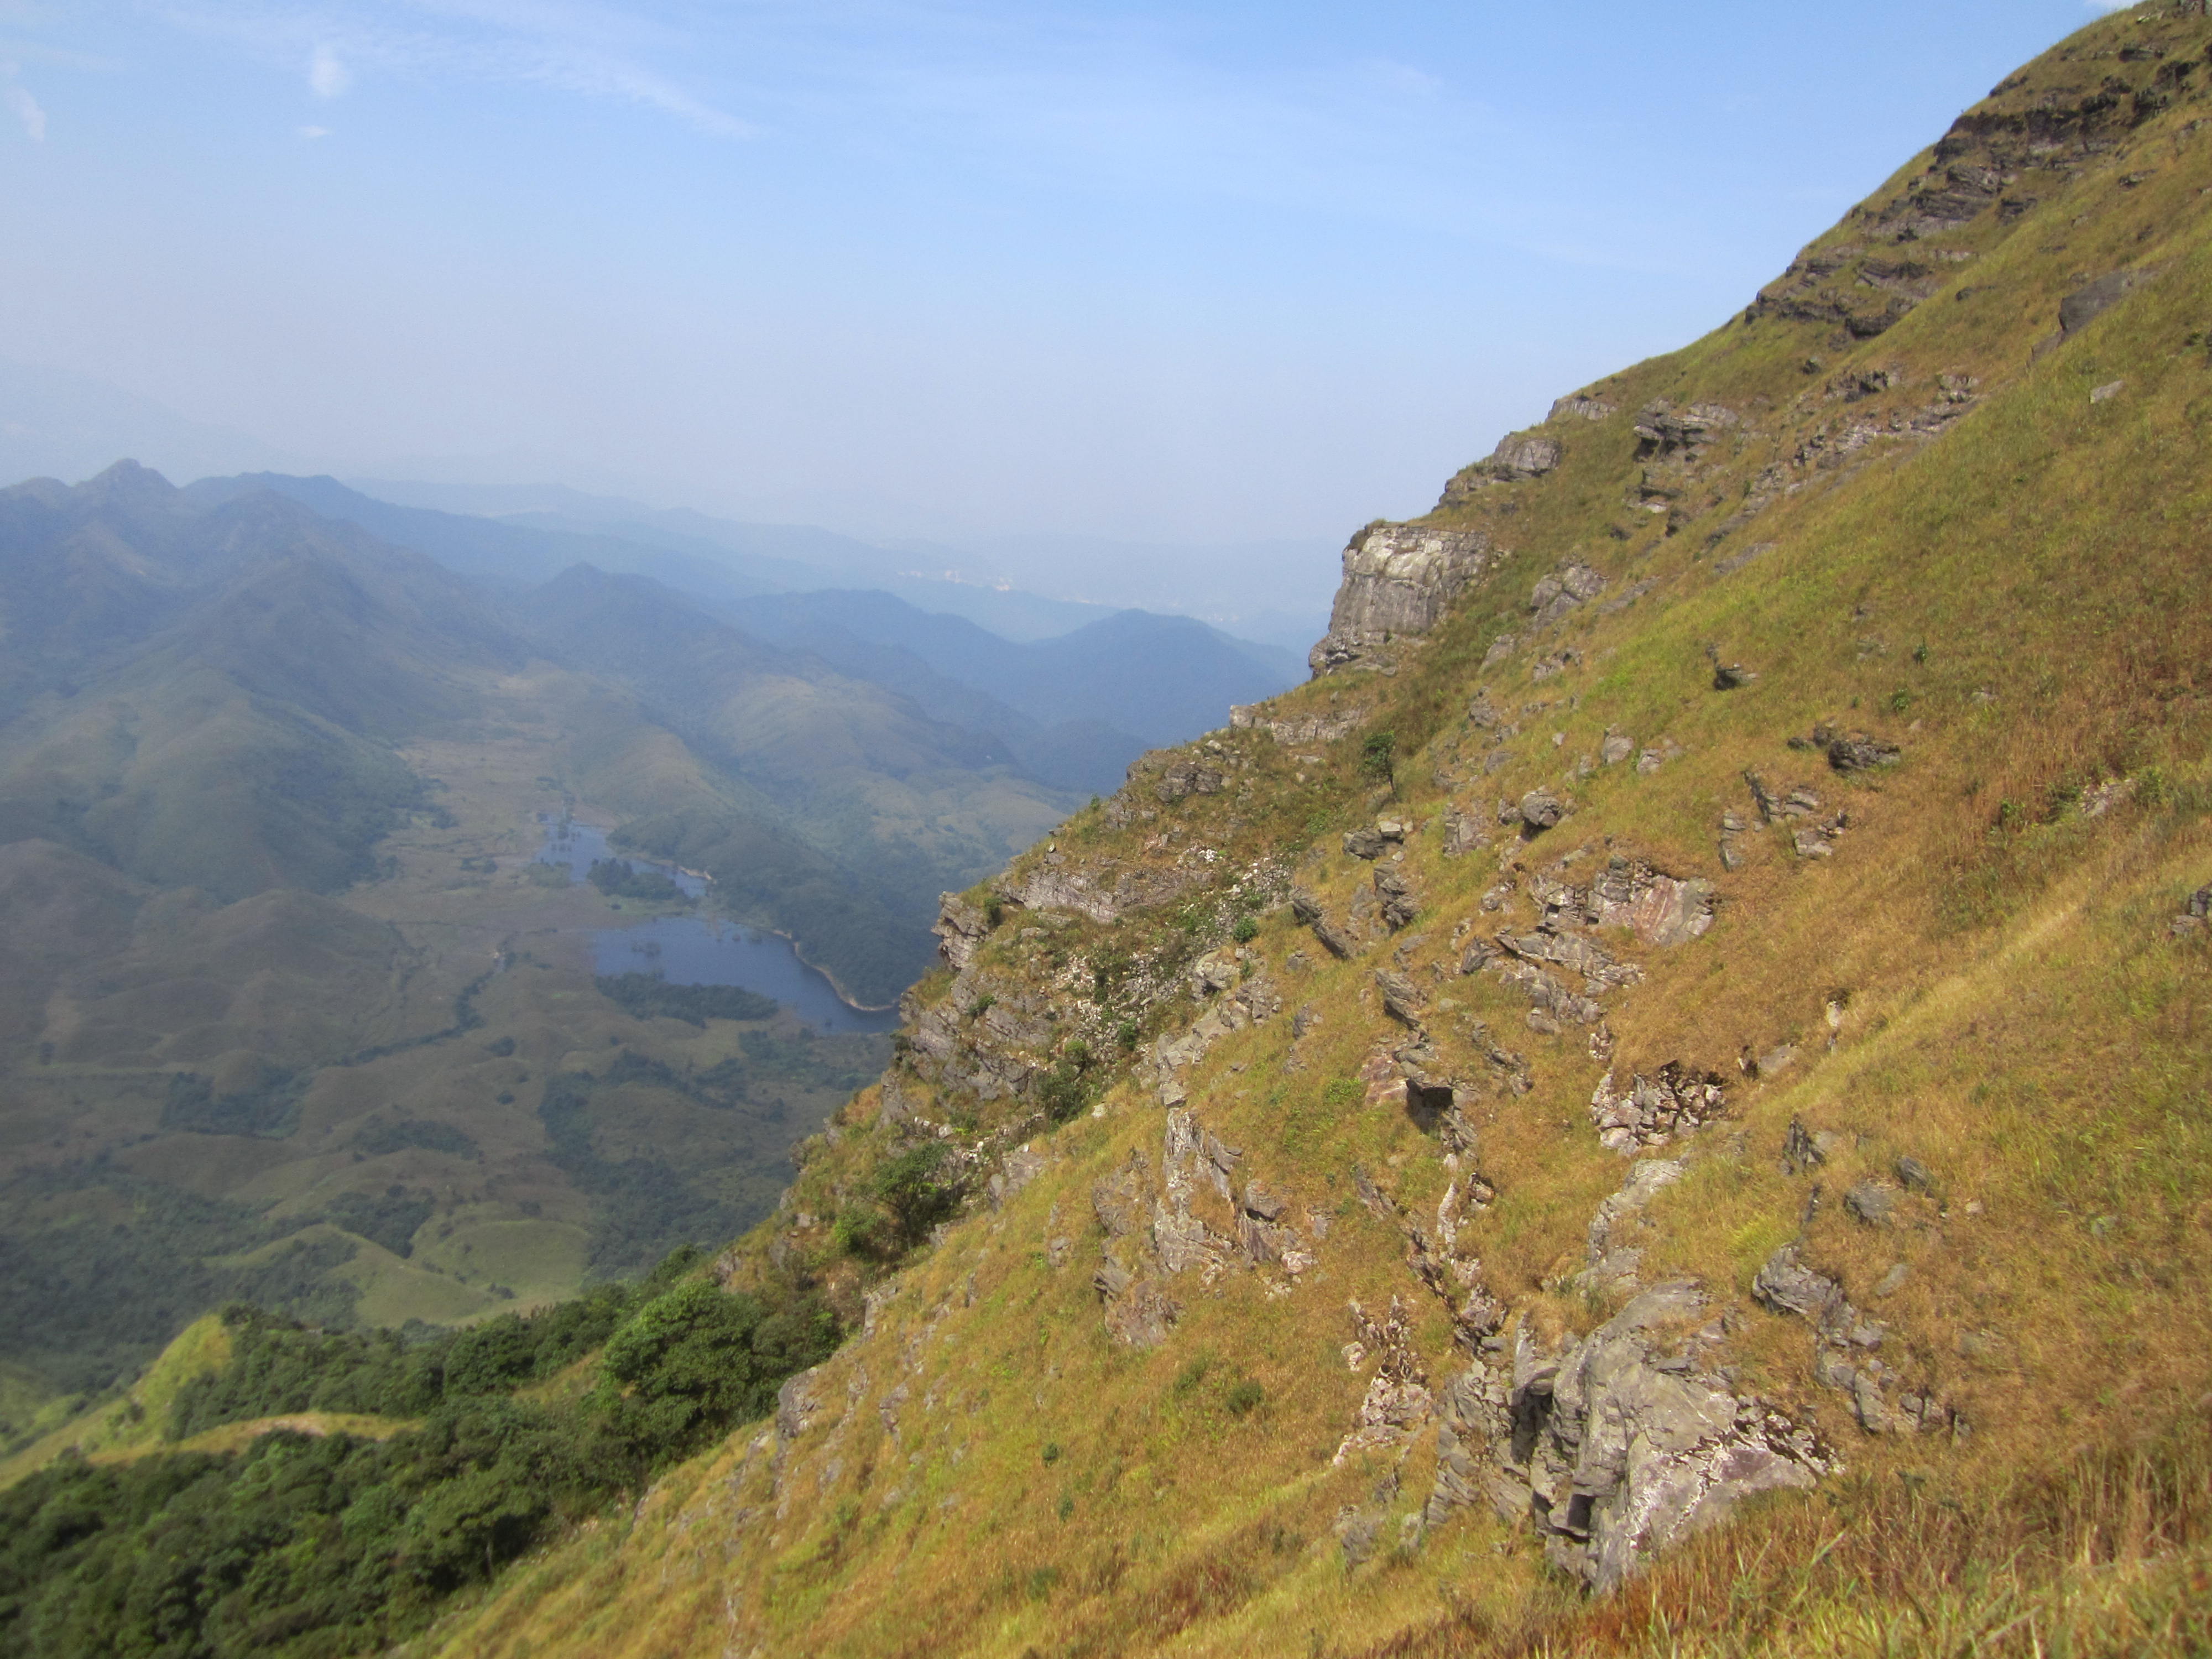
[(697, 949)]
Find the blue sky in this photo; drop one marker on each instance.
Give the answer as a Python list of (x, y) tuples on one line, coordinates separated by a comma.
[(1207, 272)]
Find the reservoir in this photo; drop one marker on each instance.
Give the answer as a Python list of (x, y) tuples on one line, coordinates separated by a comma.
[(694, 949)]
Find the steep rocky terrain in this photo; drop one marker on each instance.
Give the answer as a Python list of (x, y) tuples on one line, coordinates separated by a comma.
[(1661, 1101), (1700, 1006)]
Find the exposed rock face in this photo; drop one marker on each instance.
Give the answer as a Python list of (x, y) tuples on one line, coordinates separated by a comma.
[(960, 929), (1650, 1111), (1615, 1259), (1154, 1234), (1990, 154), (1659, 908), (1541, 809), (1052, 884), (1298, 728), (1857, 752), (1397, 1401), (1186, 774), (1581, 406), (1628, 1441), (1519, 456), (1557, 594), (1399, 581), (1308, 909), (1402, 1000), (1883, 1399), (1398, 901), (2085, 305), (1666, 435), (1234, 994)]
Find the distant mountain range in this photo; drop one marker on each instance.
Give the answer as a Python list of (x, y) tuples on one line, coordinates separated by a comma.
[(275, 968), (206, 686), (56, 423), (1073, 707)]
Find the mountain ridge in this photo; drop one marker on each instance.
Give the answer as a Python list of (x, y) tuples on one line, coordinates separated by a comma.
[(1647, 978)]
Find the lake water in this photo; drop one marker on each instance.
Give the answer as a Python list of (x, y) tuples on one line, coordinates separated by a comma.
[(705, 949)]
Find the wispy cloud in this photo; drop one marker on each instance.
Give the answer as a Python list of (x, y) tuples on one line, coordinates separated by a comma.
[(327, 75), (589, 50), (24, 108), (314, 132)]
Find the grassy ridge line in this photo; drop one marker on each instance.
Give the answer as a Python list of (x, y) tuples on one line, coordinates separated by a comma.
[(132, 1424)]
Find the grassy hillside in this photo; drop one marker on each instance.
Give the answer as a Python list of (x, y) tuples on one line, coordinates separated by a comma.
[(1749, 957)]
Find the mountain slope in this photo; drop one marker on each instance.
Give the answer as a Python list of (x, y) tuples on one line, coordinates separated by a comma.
[(1720, 1023)]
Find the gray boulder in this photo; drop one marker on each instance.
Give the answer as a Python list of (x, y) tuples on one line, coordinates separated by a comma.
[(1364, 843), (1540, 809), (1786, 1285), (1629, 1445), (2085, 305), (1860, 753), (1873, 1202), (1400, 902), (1402, 1000)]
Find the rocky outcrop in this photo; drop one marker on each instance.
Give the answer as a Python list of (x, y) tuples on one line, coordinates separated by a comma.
[(1237, 992), (1397, 1401), (1650, 1111), (1846, 1344), (1398, 582), (1519, 456), (1155, 1232), (1797, 810), (1308, 909), (1658, 908), (1613, 1251), (2085, 305), (1987, 163), (1054, 883), (1289, 729), (1581, 406), (1630, 1440), (960, 928), (1555, 596)]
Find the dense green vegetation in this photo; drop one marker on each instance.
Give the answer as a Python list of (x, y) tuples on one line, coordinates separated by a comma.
[(305, 1545), (641, 1206), (270, 1106), (92, 1298), (649, 996), (620, 879)]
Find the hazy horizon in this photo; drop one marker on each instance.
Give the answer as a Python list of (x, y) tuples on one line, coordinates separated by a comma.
[(990, 278)]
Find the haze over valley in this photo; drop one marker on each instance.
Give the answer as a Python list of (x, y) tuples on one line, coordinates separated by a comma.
[(289, 982)]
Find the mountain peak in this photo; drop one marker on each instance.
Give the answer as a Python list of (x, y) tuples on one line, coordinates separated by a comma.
[(126, 482)]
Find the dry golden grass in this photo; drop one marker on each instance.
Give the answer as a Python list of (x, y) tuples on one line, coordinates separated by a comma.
[(2018, 604)]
